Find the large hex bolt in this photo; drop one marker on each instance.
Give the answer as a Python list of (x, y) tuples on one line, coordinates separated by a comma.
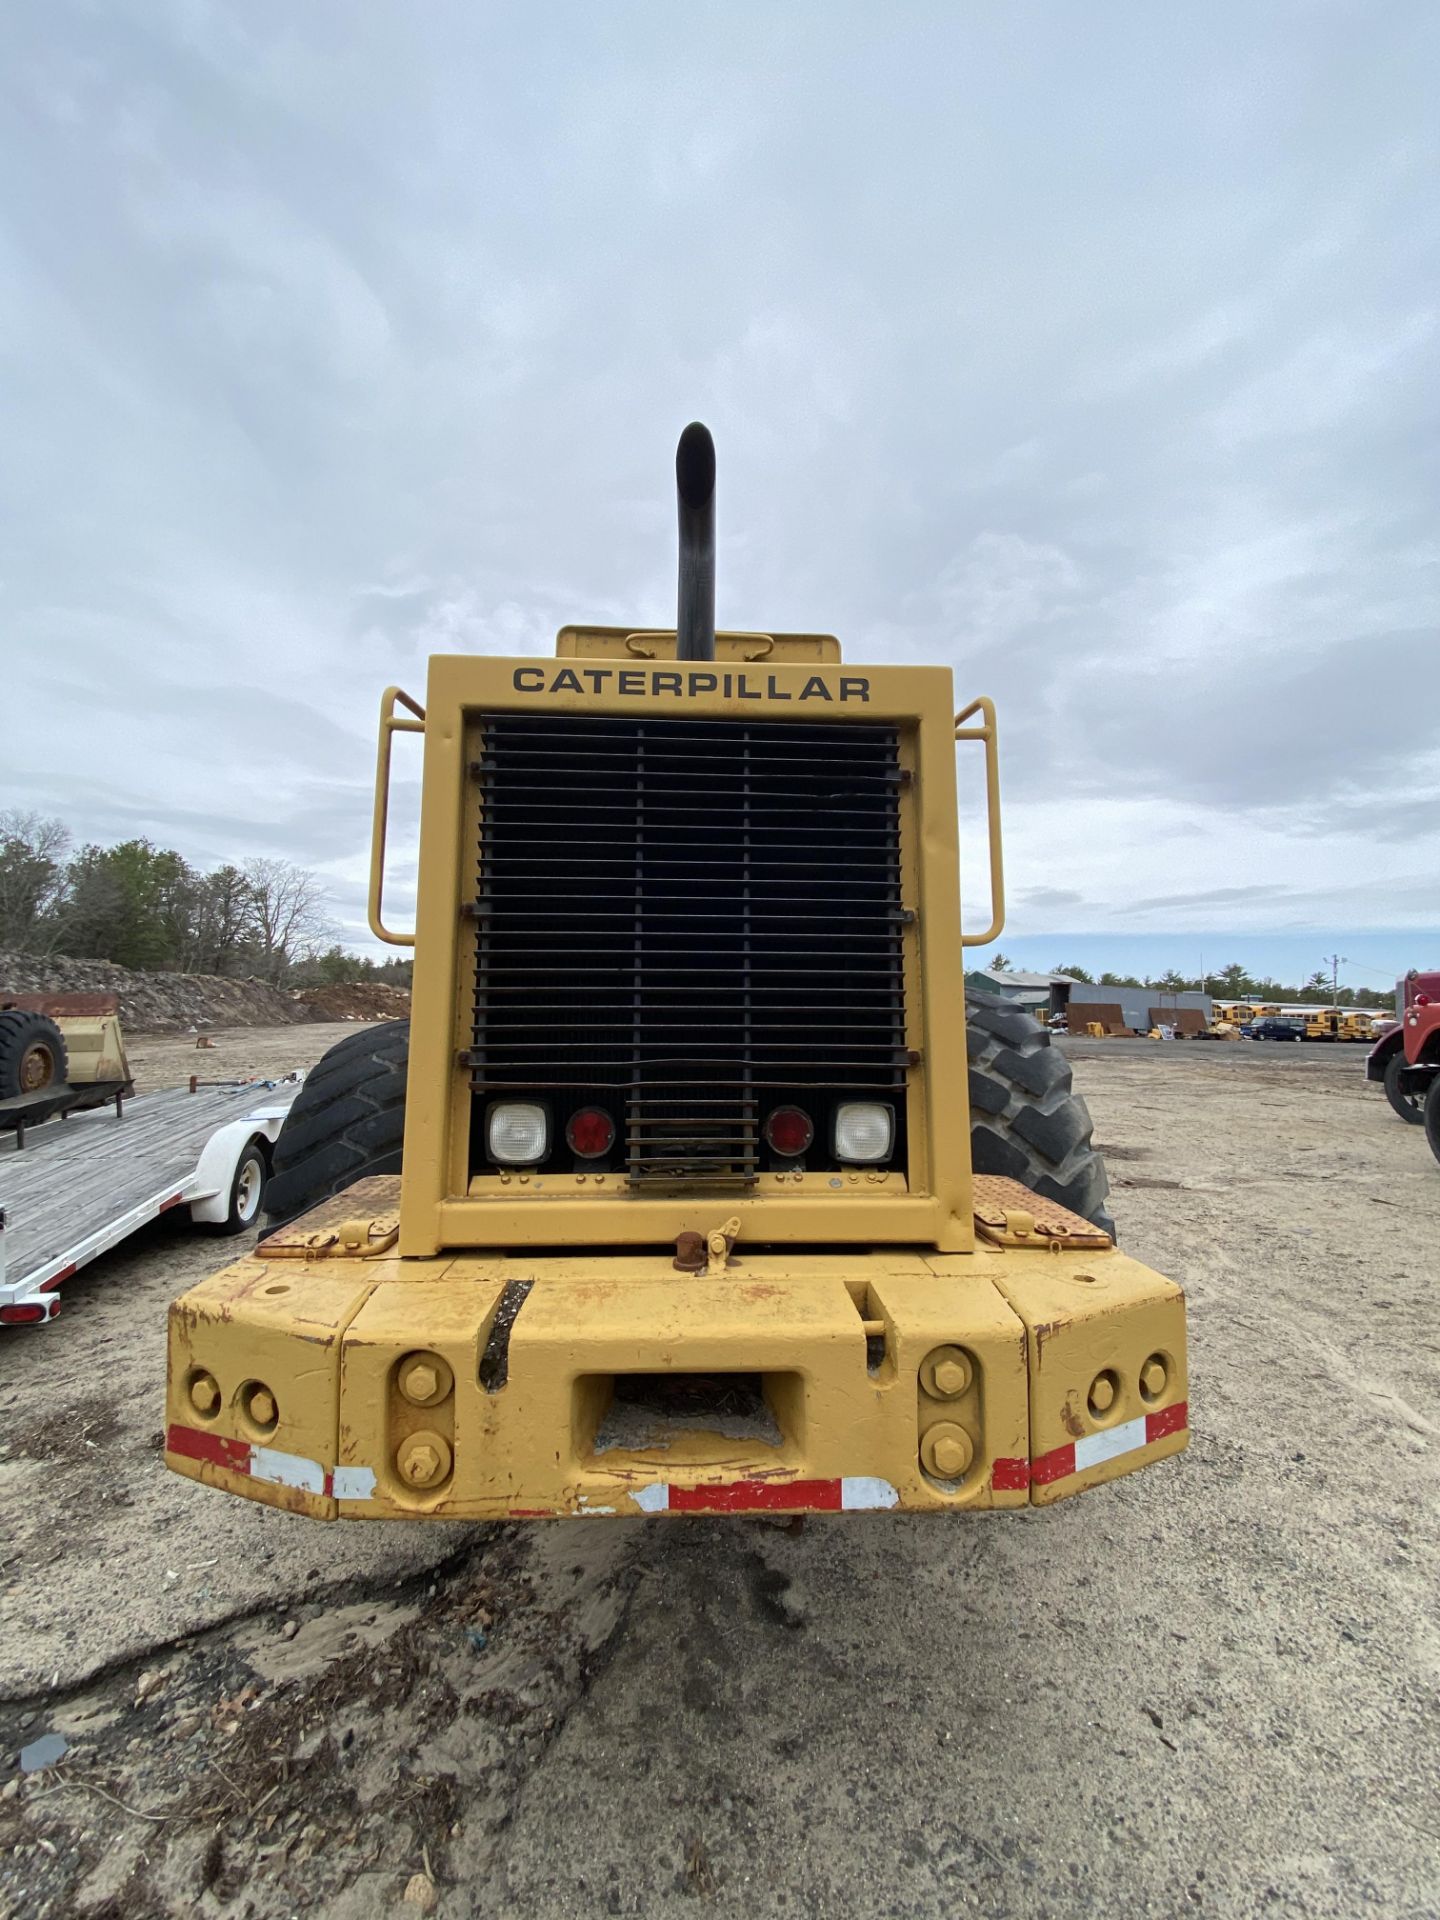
[(258, 1405), (423, 1460), (425, 1379), (205, 1394), (946, 1373), (1153, 1377), (946, 1450), (1103, 1389)]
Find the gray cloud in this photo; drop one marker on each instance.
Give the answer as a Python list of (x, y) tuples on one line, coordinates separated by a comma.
[(1050, 899), (1093, 353), (1213, 897)]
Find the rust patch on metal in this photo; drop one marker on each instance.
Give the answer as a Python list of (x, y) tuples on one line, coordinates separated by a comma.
[(1045, 1330), (690, 1254)]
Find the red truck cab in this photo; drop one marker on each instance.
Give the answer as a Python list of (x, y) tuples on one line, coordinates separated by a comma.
[(1406, 1057)]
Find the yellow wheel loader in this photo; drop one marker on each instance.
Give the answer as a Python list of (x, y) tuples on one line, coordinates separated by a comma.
[(692, 1185)]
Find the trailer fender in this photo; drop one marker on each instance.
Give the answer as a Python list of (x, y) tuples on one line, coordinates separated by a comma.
[(219, 1159)]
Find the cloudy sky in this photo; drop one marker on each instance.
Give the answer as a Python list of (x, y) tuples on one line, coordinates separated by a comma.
[(1090, 349)]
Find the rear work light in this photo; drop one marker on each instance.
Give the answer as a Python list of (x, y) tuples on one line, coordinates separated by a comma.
[(864, 1132), (788, 1131), (517, 1133), (590, 1133)]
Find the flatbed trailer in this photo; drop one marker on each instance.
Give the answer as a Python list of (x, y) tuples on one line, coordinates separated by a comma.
[(86, 1181)]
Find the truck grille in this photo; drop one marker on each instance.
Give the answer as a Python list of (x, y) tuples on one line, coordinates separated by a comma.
[(688, 922)]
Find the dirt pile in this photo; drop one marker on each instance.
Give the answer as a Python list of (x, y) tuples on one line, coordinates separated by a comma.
[(156, 1002), (358, 1000), (198, 1002)]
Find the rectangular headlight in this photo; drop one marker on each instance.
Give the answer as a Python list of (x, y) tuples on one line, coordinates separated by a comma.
[(517, 1133), (864, 1132)]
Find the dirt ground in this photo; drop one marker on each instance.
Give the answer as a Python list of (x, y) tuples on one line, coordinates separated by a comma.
[(235, 1053), (1211, 1687)]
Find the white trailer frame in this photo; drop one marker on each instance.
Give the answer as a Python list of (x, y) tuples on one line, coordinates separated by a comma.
[(84, 1183)]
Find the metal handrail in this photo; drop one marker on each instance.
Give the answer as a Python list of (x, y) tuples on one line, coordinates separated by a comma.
[(986, 732), (389, 724)]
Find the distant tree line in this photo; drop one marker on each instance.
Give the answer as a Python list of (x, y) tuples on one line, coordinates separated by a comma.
[(147, 908), (1228, 983)]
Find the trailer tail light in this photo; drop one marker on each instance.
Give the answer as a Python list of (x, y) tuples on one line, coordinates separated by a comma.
[(590, 1133), (21, 1316), (789, 1131)]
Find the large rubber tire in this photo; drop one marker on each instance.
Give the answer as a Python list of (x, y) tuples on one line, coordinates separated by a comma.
[(347, 1123), (32, 1054), (1027, 1123), (1432, 1116), (1409, 1106)]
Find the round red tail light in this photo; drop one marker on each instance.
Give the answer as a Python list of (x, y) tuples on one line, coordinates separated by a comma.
[(590, 1133), (788, 1131)]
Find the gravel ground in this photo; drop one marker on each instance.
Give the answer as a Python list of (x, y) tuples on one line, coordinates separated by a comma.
[(235, 1053), (1211, 1687)]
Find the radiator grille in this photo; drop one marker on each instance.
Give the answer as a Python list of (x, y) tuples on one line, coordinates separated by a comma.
[(687, 921)]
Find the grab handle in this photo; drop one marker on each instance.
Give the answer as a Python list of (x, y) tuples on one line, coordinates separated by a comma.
[(390, 723), (986, 732)]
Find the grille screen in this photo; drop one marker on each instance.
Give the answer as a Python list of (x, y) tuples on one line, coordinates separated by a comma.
[(688, 922)]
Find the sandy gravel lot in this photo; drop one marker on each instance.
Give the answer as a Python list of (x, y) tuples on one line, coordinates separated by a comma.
[(236, 1053), (1209, 1688)]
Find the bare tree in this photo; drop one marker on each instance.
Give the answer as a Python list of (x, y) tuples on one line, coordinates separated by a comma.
[(32, 878), (289, 913), (224, 921)]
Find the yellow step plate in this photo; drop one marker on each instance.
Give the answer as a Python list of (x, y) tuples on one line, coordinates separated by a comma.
[(1009, 1215)]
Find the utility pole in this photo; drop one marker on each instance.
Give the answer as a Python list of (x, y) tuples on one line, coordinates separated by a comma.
[(1337, 960)]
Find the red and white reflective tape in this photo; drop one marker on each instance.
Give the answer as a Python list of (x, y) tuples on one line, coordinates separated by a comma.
[(855, 1493), (1110, 1443), (1010, 1475), (269, 1464)]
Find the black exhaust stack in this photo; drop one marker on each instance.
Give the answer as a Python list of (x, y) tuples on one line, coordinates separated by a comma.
[(695, 485)]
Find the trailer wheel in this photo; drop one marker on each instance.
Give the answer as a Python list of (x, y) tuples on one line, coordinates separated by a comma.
[(347, 1123), (1027, 1123), (1410, 1106), (247, 1192), (32, 1054)]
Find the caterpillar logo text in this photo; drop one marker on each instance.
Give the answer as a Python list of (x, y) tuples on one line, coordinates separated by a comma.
[(641, 683)]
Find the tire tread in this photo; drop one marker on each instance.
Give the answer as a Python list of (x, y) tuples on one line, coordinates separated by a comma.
[(347, 1123), (1027, 1121)]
